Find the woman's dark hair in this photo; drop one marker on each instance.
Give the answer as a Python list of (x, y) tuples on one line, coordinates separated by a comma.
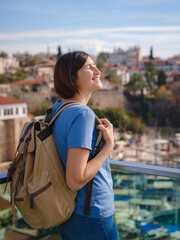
[(65, 73)]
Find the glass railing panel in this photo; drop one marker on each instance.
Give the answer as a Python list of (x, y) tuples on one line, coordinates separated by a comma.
[(146, 206)]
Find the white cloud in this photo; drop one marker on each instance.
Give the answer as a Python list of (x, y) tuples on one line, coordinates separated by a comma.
[(84, 32), (163, 39)]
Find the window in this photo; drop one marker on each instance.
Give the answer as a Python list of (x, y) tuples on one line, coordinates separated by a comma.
[(17, 110), (24, 110), (8, 111)]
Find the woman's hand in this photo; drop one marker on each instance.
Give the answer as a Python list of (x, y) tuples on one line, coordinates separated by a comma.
[(107, 130)]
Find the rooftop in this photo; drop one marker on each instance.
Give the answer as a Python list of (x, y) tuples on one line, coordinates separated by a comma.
[(7, 100)]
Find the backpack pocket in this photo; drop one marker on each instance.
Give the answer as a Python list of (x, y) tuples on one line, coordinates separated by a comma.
[(22, 203), (49, 200)]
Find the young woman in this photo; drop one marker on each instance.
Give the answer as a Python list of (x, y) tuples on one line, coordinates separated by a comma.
[(75, 78)]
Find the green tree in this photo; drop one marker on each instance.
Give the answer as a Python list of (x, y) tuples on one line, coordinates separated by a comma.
[(100, 62), (164, 93), (59, 52), (20, 75), (30, 60), (3, 54), (41, 109), (151, 54), (161, 78), (151, 76), (113, 77), (136, 83), (3, 79), (137, 126)]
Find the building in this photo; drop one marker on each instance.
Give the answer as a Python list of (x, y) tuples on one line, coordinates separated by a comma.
[(13, 115), (170, 65), (8, 63), (131, 57), (11, 108), (46, 69)]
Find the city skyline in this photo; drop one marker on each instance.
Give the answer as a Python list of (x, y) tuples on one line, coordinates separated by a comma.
[(90, 26)]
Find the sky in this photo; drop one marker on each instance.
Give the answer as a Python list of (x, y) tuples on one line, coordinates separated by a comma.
[(93, 26)]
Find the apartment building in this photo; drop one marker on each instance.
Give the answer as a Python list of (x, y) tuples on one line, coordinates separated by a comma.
[(11, 108), (131, 57), (8, 63)]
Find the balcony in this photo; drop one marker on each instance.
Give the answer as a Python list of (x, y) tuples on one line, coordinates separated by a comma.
[(147, 203)]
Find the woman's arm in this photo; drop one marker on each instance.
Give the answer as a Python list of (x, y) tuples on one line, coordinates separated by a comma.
[(78, 170)]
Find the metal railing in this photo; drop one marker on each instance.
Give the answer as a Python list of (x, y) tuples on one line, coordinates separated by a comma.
[(131, 167)]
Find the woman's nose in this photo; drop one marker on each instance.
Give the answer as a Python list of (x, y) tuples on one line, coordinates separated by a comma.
[(97, 71)]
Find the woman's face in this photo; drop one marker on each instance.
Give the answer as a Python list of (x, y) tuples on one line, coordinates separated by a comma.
[(88, 77)]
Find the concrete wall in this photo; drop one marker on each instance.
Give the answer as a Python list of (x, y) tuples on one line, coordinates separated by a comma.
[(10, 131), (107, 99)]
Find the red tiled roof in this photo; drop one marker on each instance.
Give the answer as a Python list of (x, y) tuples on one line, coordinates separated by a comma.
[(133, 69), (174, 59), (48, 64), (172, 73), (28, 82), (7, 100), (2, 91)]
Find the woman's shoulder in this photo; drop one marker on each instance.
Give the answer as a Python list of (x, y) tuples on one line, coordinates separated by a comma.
[(81, 110), (75, 110)]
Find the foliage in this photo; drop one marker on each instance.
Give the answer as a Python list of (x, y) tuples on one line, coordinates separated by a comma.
[(113, 77), (3, 54), (20, 75), (90, 102), (30, 60), (164, 93), (120, 118), (151, 76), (16, 95), (161, 78), (41, 109), (136, 83), (3, 79), (59, 52), (100, 62), (176, 77), (136, 126)]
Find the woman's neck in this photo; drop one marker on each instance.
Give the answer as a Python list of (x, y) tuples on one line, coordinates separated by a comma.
[(82, 99)]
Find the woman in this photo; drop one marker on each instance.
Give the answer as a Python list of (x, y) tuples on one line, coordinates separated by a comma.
[(75, 78)]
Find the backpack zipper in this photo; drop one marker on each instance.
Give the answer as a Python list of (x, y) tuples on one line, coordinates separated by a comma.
[(33, 195)]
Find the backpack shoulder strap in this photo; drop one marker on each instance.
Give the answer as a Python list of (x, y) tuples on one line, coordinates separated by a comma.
[(49, 120)]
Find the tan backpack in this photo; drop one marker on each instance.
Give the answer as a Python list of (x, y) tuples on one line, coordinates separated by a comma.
[(37, 174)]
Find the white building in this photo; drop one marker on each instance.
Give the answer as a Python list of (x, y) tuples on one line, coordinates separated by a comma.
[(7, 63), (46, 69), (11, 108), (131, 57)]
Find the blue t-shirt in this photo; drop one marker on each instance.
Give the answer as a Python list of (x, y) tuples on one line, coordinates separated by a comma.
[(75, 128)]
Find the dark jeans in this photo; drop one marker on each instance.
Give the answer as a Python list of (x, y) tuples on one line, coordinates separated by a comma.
[(78, 227)]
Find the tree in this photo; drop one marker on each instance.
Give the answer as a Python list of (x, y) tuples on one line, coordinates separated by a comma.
[(101, 60), (113, 77), (136, 83), (3, 79), (161, 78), (41, 109), (59, 52), (20, 75), (151, 76), (164, 93), (3, 54), (151, 54)]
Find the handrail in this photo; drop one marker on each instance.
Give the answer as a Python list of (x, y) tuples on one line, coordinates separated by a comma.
[(131, 167), (146, 169)]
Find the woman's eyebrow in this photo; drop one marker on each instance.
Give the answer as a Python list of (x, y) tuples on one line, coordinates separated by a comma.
[(90, 64)]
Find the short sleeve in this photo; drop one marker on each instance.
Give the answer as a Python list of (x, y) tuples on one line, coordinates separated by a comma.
[(80, 133)]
